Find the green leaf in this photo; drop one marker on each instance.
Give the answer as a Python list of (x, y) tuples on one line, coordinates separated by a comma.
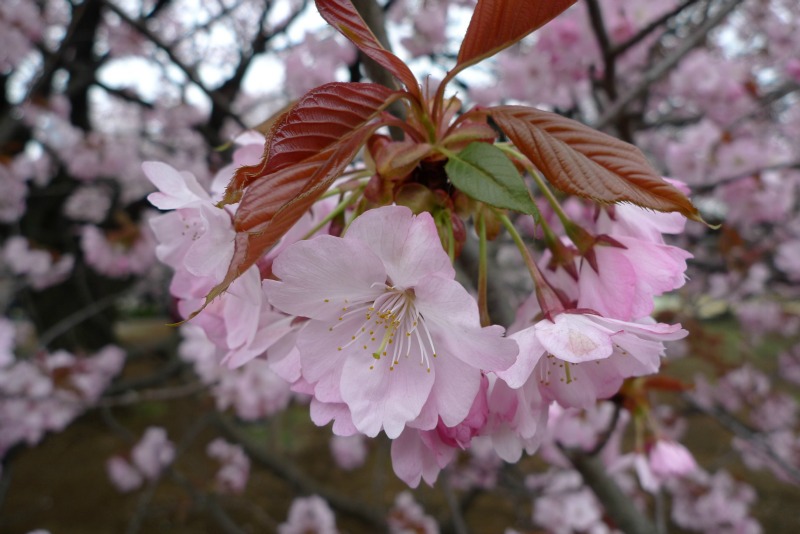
[(484, 173)]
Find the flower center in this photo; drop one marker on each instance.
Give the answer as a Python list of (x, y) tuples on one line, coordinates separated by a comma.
[(390, 326)]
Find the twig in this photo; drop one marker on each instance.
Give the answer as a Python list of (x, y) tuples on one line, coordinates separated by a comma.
[(220, 516), (299, 480), (498, 297), (742, 431), (722, 181), (170, 393), (665, 66), (142, 504), (618, 506), (608, 432), (71, 321), (216, 98), (647, 30), (457, 518), (172, 367)]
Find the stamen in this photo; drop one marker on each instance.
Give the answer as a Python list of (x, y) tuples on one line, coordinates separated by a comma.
[(396, 312)]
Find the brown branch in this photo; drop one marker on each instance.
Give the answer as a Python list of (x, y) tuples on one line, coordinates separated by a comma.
[(618, 506), (642, 34), (727, 179), (161, 394), (217, 99), (298, 480), (653, 75), (744, 432), (373, 15)]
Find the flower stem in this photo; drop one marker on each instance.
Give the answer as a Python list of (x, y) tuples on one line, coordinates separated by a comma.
[(483, 305), (335, 212)]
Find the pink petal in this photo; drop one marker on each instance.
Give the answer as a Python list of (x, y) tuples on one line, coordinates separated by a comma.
[(177, 189), (455, 388), (530, 352), (451, 314), (321, 276), (381, 394), (575, 338), (409, 246)]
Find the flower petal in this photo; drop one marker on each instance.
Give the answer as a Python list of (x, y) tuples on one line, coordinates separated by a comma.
[(321, 276), (382, 394), (408, 245)]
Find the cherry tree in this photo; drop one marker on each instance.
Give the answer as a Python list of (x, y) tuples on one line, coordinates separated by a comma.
[(457, 251)]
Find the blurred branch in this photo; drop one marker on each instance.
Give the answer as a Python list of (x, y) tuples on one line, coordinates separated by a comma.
[(173, 366), (457, 518), (744, 432), (642, 34), (231, 87), (374, 16), (71, 321), (136, 521), (11, 127), (727, 179), (301, 482), (608, 432), (653, 75), (217, 99), (208, 501), (618, 506), (162, 394)]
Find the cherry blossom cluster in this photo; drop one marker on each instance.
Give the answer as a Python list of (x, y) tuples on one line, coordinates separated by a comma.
[(145, 461), (43, 392), (360, 313), (375, 328)]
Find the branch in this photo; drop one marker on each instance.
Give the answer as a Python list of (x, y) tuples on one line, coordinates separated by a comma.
[(660, 70), (727, 179), (71, 321), (162, 394), (373, 15), (217, 99), (617, 505), (299, 480), (742, 431), (650, 28)]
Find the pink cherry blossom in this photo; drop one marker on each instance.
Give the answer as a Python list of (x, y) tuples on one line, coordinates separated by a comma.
[(235, 469), (153, 452), (517, 418), (115, 257), (628, 274), (408, 516), (309, 514), (391, 334), (578, 358), (41, 268), (670, 458), (123, 475), (349, 452)]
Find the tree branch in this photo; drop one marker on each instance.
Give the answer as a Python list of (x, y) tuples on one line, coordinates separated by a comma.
[(299, 480), (742, 431), (617, 505), (619, 106), (217, 99)]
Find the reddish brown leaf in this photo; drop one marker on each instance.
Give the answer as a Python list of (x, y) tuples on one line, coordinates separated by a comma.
[(343, 16), (321, 118), (584, 162), (396, 160), (497, 24), (273, 204)]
